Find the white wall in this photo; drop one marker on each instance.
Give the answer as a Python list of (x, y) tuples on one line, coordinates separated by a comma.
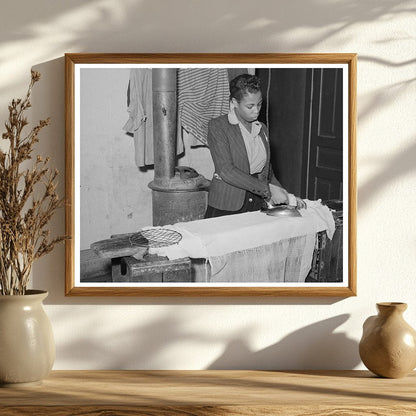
[(198, 333), (114, 194)]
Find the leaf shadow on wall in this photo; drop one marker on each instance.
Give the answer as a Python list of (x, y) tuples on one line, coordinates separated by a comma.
[(151, 345), (316, 346), (396, 167), (104, 26), (402, 162), (130, 346)]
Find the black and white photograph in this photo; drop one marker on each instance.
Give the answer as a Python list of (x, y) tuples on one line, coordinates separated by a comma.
[(196, 176)]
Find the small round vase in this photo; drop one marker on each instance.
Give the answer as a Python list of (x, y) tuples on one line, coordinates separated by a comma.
[(27, 346), (388, 345)]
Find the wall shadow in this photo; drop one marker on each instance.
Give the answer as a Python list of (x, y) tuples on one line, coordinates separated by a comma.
[(105, 26), (313, 347), (144, 19), (139, 347), (396, 167)]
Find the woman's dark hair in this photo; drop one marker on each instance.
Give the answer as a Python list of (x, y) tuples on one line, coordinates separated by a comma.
[(243, 84)]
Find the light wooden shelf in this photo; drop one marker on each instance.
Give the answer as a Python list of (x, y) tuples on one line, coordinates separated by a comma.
[(202, 393)]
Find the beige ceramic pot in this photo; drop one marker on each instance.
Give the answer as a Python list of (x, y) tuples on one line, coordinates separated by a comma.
[(388, 345), (27, 347)]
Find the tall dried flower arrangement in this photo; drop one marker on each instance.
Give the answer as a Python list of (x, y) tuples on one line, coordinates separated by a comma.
[(28, 199)]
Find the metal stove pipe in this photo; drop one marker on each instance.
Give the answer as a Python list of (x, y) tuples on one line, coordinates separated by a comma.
[(177, 194), (164, 124)]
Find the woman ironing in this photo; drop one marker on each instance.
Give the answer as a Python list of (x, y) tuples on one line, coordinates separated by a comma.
[(239, 146)]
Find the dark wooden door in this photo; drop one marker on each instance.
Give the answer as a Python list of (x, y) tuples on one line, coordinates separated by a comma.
[(323, 160)]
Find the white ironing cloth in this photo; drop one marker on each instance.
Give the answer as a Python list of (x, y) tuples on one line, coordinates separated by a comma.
[(213, 237)]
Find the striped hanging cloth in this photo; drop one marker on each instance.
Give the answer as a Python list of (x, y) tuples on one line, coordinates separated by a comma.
[(203, 94)]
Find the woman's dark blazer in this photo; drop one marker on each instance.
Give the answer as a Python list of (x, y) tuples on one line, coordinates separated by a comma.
[(232, 169)]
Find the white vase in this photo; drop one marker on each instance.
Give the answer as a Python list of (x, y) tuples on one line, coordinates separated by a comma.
[(27, 346)]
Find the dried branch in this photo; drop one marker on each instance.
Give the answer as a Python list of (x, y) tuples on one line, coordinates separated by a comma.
[(24, 217)]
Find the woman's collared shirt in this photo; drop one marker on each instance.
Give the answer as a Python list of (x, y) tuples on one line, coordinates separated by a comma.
[(256, 152)]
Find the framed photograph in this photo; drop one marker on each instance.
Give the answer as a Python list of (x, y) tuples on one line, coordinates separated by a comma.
[(211, 174)]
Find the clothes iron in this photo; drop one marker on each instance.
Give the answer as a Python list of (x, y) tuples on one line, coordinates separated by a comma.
[(279, 210)]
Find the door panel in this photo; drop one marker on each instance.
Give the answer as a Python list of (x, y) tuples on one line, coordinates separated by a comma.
[(324, 171)]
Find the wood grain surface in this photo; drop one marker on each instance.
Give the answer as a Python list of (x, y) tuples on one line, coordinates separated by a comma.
[(203, 393)]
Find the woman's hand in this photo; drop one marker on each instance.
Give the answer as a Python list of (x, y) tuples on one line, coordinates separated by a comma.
[(300, 203), (278, 195)]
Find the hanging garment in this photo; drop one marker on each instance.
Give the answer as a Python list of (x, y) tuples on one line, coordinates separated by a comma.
[(140, 122), (203, 94)]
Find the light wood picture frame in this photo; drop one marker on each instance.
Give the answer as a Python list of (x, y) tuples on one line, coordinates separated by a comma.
[(309, 104)]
